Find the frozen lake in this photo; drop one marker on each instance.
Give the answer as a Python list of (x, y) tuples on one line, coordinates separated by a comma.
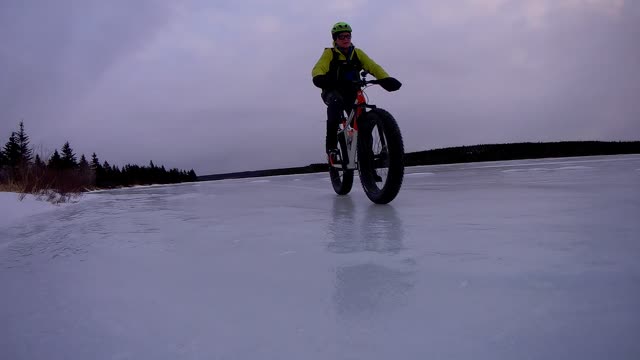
[(535, 259)]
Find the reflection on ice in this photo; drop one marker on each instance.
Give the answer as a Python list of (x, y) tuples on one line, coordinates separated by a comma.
[(382, 229), (378, 229), (368, 286)]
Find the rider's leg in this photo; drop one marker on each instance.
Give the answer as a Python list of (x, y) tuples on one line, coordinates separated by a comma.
[(335, 108)]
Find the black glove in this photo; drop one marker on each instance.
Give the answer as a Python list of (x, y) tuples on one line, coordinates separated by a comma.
[(322, 81), (390, 84)]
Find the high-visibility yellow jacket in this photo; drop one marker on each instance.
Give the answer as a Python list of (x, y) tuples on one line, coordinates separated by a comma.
[(334, 63)]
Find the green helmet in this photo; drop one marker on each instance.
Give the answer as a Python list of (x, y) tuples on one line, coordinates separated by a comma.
[(338, 28)]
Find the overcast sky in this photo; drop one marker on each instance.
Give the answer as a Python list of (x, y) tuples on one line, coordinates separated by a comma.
[(222, 86)]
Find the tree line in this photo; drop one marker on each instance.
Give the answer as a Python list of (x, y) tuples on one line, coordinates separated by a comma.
[(520, 151), (465, 154), (24, 171)]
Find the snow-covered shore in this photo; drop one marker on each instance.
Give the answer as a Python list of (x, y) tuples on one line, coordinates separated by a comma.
[(14, 207)]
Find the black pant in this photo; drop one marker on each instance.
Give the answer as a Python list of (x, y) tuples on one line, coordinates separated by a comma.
[(337, 103)]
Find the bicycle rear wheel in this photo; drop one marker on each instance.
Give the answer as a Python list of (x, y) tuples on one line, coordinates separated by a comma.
[(380, 156), (341, 178)]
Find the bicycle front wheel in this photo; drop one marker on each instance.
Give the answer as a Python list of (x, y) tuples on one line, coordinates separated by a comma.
[(380, 156)]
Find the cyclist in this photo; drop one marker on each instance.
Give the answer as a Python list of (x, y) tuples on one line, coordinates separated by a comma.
[(335, 73)]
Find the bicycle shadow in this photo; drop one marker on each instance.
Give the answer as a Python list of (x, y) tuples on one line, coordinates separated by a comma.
[(374, 277)]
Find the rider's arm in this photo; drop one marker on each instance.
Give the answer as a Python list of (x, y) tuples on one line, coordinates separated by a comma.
[(321, 69), (368, 64), (322, 66)]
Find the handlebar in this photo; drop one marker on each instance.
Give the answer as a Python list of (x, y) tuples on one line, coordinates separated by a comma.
[(389, 83), (364, 80)]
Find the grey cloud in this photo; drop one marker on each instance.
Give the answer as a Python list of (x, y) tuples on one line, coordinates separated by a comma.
[(226, 86), (577, 84), (54, 51)]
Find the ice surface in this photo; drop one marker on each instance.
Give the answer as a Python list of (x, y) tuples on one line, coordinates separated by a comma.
[(469, 262)]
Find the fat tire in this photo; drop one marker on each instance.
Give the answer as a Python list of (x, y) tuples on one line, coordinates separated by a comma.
[(395, 148)]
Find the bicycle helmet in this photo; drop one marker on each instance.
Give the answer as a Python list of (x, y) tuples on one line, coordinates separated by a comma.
[(338, 28)]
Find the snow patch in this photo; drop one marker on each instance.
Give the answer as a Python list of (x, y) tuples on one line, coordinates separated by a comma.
[(15, 208)]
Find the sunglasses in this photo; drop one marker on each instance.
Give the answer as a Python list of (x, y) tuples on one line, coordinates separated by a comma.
[(344, 37)]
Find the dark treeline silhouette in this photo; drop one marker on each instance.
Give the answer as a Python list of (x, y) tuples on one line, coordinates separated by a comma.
[(63, 172), (313, 168), (475, 153), (109, 176), (518, 151), (24, 171)]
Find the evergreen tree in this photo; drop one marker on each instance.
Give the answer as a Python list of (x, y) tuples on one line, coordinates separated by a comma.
[(3, 159), (95, 163), (39, 164), (87, 175), (12, 151), (98, 171), (116, 175), (26, 154), (68, 157), (55, 161), (83, 164), (107, 170)]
